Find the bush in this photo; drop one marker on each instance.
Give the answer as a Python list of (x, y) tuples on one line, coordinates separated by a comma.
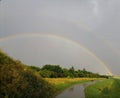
[(18, 81)]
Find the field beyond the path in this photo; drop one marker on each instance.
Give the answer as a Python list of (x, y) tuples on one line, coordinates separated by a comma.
[(63, 83)]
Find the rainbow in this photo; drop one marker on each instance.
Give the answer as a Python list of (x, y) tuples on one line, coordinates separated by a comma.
[(57, 37), (84, 26)]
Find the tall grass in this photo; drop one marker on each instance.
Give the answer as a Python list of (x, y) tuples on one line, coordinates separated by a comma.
[(63, 83)]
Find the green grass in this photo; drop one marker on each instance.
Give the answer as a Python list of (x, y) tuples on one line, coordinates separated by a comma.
[(63, 83), (109, 88), (62, 87)]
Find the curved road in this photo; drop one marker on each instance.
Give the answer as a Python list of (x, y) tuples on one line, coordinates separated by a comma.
[(75, 91)]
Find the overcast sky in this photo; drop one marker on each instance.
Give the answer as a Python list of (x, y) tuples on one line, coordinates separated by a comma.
[(89, 29)]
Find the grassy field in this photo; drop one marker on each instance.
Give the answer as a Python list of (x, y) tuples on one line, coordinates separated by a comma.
[(63, 83), (108, 88)]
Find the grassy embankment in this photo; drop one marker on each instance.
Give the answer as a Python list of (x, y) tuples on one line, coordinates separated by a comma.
[(109, 88), (62, 83), (19, 81)]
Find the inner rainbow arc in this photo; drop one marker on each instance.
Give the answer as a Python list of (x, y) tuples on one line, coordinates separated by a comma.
[(61, 38)]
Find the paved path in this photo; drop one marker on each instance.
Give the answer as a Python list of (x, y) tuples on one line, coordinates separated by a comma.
[(75, 91)]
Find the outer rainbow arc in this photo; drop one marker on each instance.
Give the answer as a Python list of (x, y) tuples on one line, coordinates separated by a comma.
[(58, 37), (86, 27)]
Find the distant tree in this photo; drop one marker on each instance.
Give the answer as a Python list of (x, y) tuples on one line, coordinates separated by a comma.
[(46, 73), (55, 68), (72, 72), (58, 72), (35, 68), (66, 72)]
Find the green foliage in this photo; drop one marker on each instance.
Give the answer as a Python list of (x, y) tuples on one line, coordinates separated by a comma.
[(47, 73), (35, 68), (55, 71), (109, 88), (4, 59), (19, 81)]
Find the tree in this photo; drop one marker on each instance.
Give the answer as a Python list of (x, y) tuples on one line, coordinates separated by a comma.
[(35, 68), (58, 72), (46, 73), (72, 72)]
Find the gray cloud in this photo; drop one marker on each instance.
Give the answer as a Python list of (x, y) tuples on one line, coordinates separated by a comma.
[(93, 23)]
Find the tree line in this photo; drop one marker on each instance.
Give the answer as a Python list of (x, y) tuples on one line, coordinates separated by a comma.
[(56, 71)]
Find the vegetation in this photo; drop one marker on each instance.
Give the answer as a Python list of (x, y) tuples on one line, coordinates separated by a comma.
[(109, 88), (55, 71), (19, 81), (63, 83)]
